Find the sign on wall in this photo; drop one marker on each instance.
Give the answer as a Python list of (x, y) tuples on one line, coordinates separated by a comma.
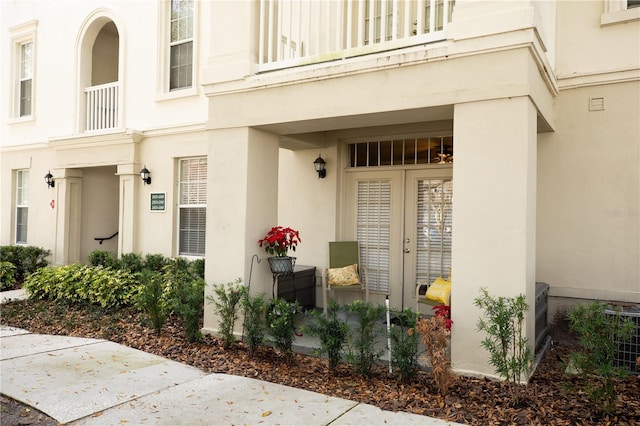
[(158, 201)]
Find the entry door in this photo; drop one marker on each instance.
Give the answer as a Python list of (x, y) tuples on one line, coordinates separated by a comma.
[(402, 221)]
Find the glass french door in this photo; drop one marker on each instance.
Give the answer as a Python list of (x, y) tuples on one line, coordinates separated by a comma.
[(402, 221)]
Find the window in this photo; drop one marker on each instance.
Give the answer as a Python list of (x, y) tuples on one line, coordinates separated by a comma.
[(23, 70), (192, 206), (401, 152), (22, 205), (618, 11), (181, 44)]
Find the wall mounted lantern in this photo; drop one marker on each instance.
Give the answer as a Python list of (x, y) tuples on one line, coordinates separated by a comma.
[(48, 178), (145, 175), (320, 164)]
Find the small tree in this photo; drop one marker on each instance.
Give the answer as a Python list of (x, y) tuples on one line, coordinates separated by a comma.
[(152, 299), (255, 311), (361, 352), (598, 335), (505, 341), (281, 318), (404, 344), (226, 303), (435, 337), (332, 332)]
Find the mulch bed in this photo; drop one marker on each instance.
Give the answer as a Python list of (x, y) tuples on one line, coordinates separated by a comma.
[(551, 397)]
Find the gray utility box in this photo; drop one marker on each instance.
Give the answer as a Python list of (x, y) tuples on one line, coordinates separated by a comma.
[(541, 307), (628, 355), (300, 286)]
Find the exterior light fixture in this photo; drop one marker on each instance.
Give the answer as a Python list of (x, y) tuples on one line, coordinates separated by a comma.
[(320, 164), (48, 178), (145, 175)]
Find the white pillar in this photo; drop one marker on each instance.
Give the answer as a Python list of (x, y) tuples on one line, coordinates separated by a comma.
[(68, 214), (242, 203), (494, 218), (129, 181)]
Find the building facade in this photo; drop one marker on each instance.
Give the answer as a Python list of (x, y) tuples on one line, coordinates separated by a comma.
[(526, 110)]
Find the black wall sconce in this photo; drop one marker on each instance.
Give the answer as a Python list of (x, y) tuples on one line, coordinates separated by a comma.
[(48, 178), (320, 164), (145, 175)]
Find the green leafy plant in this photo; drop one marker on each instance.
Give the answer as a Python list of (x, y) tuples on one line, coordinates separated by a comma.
[(255, 321), (503, 325), (281, 317), (155, 262), (404, 344), (103, 258), (363, 337), (435, 338), (278, 241), (188, 305), (26, 259), (7, 275), (598, 333), (226, 304), (332, 332), (131, 262), (152, 298)]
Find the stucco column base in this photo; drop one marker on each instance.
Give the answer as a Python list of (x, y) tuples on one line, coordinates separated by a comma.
[(240, 211), (494, 218)]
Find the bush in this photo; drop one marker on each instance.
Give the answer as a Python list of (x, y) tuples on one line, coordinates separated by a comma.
[(332, 332), (103, 258), (226, 304), (255, 317), (155, 262), (598, 335), (7, 275), (26, 259), (281, 318), (505, 342), (152, 299), (435, 337), (131, 262), (361, 352), (85, 285), (188, 305), (404, 344)]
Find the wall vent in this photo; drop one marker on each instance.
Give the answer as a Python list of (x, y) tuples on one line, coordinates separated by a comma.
[(596, 104)]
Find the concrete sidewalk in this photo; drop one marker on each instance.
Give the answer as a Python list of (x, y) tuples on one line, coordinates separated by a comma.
[(97, 382)]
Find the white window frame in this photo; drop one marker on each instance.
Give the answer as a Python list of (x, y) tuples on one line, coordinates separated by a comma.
[(22, 35), (182, 205), (22, 203), (164, 55), (617, 11)]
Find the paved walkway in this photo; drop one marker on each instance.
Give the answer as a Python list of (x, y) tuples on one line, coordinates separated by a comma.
[(96, 382)]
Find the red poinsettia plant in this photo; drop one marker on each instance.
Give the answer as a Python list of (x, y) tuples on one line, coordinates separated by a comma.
[(280, 240), (444, 312)]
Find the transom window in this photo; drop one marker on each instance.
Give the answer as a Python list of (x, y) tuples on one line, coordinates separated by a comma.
[(401, 152), (22, 205), (181, 44), (192, 206)]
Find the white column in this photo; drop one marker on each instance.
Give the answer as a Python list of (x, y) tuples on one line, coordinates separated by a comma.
[(242, 203), (494, 218), (129, 181), (68, 213)]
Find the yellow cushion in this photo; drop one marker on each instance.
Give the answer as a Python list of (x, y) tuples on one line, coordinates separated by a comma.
[(439, 291), (344, 276)]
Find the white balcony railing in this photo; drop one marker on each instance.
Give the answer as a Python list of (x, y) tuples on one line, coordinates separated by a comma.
[(102, 106), (295, 32)]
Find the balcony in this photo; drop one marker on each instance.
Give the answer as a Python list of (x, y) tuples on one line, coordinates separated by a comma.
[(102, 107), (300, 32)]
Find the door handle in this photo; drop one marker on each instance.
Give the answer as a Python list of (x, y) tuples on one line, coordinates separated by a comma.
[(407, 250)]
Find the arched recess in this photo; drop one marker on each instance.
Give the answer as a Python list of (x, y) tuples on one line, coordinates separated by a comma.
[(99, 70)]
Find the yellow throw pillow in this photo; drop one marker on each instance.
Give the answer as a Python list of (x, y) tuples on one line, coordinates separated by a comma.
[(344, 276), (439, 291)]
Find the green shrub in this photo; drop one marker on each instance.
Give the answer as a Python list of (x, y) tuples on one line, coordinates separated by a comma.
[(281, 318), (7, 275), (226, 304), (155, 262), (509, 351), (404, 344), (332, 332), (255, 317), (361, 351), (103, 258), (152, 299), (26, 259), (131, 262), (197, 267), (598, 334), (188, 305), (83, 284)]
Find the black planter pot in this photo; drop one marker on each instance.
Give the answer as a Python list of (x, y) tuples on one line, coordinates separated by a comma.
[(281, 264)]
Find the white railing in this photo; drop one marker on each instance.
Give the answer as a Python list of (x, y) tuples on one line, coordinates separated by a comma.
[(294, 32), (102, 106)]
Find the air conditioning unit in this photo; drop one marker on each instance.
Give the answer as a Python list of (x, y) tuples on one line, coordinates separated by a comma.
[(628, 354)]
